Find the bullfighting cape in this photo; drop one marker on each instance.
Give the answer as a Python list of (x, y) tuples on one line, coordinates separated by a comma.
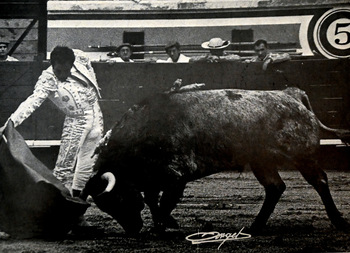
[(33, 203)]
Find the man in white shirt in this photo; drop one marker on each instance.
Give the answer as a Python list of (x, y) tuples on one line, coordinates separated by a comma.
[(175, 56)]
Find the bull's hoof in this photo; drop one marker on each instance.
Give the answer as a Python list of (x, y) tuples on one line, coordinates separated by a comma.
[(342, 225), (132, 234), (158, 229), (83, 229), (86, 232)]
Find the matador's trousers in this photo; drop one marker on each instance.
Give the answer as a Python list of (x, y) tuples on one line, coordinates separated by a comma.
[(80, 137)]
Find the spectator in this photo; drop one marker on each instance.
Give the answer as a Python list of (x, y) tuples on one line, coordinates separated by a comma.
[(263, 55), (124, 52), (217, 53), (173, 50), (4, 43)]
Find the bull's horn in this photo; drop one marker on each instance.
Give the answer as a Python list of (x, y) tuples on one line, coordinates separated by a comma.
[(111, 181)]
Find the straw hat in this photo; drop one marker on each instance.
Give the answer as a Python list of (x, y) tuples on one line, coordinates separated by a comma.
[(216, 43), (125, 45)]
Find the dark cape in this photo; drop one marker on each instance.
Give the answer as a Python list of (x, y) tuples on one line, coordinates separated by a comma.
[(33, 203)]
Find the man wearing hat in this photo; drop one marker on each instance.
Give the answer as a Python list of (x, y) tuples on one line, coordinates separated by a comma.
[(175, 56), (217, 53), (124, 52), (4, 43)]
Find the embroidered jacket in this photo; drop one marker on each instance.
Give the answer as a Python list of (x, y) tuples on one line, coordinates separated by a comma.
[(72, 100)]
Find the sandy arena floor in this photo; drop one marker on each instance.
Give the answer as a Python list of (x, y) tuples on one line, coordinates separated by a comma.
[(225, 203)]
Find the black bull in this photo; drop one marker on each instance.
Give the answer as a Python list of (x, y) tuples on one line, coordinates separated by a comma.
[(171, 139)]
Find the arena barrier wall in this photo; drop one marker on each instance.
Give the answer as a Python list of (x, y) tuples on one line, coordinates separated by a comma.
[(123, 84)]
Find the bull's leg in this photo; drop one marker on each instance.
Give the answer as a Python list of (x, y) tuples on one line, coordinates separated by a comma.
[(274, 188), (318, 179), (168, 202), (152, 199)]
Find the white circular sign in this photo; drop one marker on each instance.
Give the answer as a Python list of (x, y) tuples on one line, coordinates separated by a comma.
[(338, 33), (332, 33)]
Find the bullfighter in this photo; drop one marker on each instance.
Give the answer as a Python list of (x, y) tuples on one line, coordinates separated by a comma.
[(70, 83)]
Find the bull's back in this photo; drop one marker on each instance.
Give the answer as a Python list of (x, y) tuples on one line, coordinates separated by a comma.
[(236, 126), (246, 116), (202, 132)]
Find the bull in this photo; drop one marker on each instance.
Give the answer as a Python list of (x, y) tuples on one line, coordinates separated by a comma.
[(168, 140)]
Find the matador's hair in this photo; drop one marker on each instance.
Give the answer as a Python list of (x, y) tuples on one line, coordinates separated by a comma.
[(62, 54)]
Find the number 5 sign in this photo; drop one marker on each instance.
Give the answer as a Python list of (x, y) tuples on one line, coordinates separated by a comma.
[(331, 34)]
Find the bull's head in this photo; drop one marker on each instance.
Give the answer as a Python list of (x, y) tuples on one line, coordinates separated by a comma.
[(117, 198)]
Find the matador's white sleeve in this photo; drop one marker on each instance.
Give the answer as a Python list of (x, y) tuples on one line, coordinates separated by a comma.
[(45, 85)]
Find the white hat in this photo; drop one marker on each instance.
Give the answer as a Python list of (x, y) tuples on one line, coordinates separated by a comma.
[(216, 43)]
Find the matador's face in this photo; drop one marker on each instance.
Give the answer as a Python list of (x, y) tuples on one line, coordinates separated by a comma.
[(62, 70)]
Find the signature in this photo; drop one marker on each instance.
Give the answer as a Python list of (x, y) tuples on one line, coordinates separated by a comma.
[(208, 237)]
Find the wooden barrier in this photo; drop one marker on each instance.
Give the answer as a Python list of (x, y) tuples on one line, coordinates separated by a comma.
[(325, 81)]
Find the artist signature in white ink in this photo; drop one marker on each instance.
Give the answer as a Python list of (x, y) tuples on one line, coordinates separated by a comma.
[(209, 237)]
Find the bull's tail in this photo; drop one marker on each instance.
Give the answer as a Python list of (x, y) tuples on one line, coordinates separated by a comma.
[(342, 134)]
